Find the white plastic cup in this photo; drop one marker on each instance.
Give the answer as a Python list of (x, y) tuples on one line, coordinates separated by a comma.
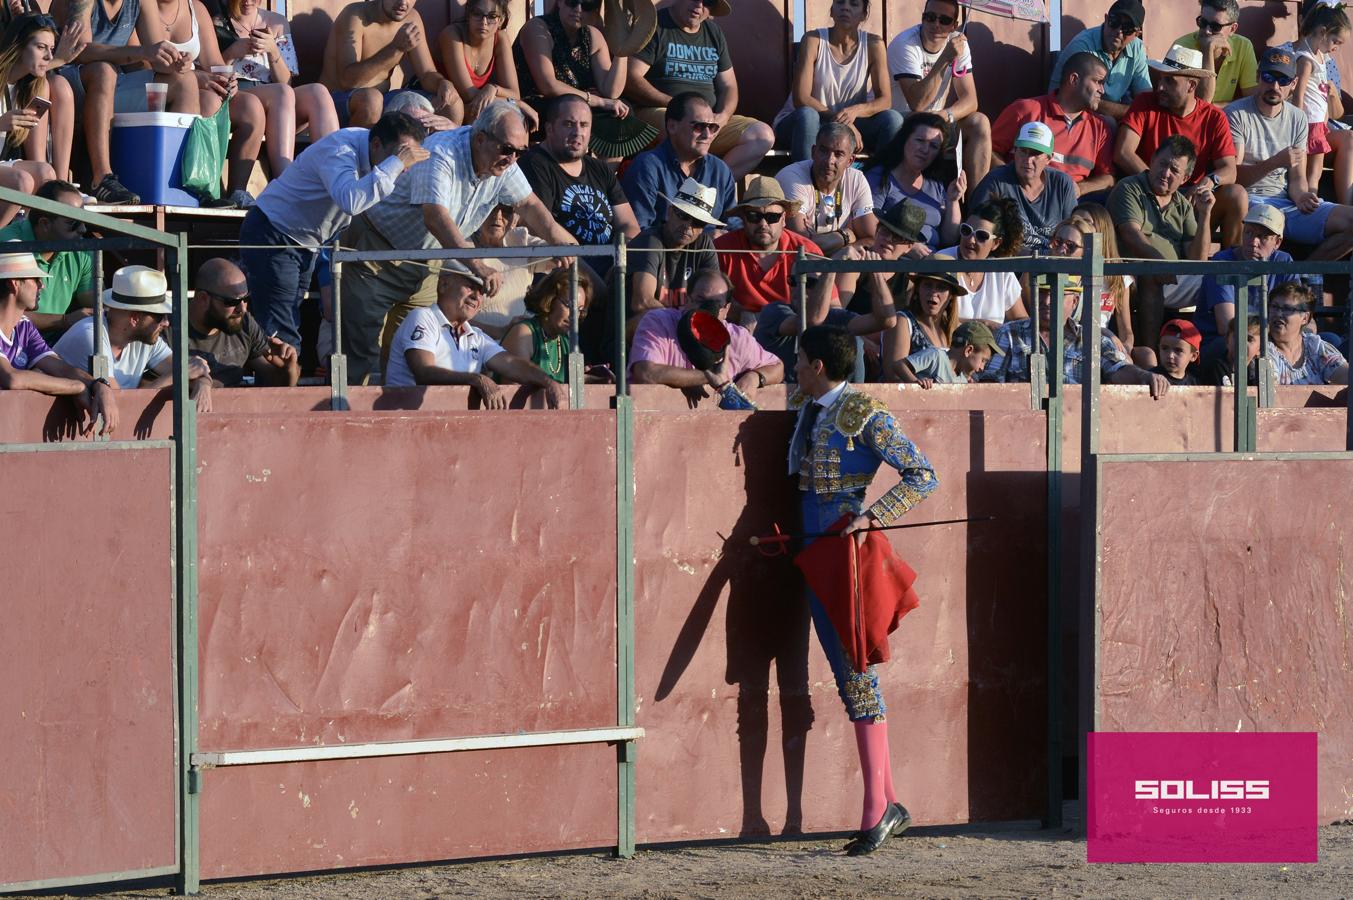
[(222, 70), (157, 96)]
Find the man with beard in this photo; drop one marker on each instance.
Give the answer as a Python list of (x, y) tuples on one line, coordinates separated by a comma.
[(137, 309), (368, 41), (836, 206), (1118, 43), (688, 52), (578, 189), (223, 333), (1045, 195), (1270, 136), (442, 203), (691, 126), (1080, 138), (1176, 107), (68, 291), (764, 276)]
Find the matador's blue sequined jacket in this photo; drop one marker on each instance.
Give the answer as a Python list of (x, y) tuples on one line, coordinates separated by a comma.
[(851, 439)]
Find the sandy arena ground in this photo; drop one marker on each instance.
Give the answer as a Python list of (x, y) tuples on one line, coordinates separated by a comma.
[(933, 862)]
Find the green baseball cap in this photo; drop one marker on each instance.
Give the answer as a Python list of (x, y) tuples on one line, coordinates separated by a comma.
[(975, 334)]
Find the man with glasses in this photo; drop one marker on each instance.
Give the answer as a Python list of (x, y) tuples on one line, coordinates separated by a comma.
[(369, 40), (837, 206), (1228, 54), (762, 276), (1118, 43), (928, 63), (690, 53), (68, 290), (658, 358), (1263, 235), (1270, 136), (654, 174), (223, 333), (137, 309), (1299, 356), (469, 172), (1080, 138)]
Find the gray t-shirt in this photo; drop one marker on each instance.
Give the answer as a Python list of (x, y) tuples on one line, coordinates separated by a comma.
[(1040, 216), (1263, 137), (935, 364), (229, 354)]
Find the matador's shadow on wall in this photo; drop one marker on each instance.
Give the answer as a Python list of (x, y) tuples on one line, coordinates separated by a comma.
[(766, 623)]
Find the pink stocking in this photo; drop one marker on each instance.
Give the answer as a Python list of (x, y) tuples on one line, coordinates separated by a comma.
[(871, 739)]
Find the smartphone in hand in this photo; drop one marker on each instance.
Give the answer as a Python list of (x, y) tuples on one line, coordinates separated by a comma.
[(38, 106)]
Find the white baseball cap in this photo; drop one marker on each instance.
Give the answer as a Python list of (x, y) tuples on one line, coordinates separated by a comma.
[(1035, 136)]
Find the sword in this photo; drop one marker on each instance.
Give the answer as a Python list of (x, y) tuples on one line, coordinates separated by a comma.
[(774, 543)]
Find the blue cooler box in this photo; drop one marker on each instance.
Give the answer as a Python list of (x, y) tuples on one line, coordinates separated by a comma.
[(147, 151)]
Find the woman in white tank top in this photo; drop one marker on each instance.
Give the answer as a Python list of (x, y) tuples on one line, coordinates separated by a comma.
[(841, 75)]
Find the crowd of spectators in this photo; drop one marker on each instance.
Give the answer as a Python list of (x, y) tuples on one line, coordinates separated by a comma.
[(581, 130)]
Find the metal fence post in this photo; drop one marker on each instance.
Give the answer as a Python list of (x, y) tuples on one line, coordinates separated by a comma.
[(1242, 433), (621, 313), (1037, 361), (624, 574), (185, 577), (338, 360), (801, 291), (1052, 814), (575, 355)]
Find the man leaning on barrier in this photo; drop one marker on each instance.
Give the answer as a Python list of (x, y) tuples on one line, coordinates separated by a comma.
[(309, 204), (441, 204), (137, 310), (660, 356), (28, 364), (1016, 346), (438, 345)]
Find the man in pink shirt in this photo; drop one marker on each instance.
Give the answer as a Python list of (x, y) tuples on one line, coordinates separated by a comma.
[(657, 357)]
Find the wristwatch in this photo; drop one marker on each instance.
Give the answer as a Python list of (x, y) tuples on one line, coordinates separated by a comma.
[(760, 379), (1215, 179), (103, 381)]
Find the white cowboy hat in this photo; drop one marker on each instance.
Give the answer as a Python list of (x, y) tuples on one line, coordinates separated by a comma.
[(20, 265), (695, 200), (139, 289), (1182, 61)]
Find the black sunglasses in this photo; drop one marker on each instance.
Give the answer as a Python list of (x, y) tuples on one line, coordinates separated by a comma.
[(1275, 78), (228, 301), (756, 218), (711, 127), (1212, 27), (931, 18), (589, 5), (1121, 23), (506, 149), (981, 234)]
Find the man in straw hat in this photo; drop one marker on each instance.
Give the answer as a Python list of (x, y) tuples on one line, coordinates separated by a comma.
[(690, 126), (1176, 108), (137, 309), (763, 275), (678, 248), (688, 52), (28, 364)]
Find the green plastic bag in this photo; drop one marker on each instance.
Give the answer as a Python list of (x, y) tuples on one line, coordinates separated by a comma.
[(204, 154)]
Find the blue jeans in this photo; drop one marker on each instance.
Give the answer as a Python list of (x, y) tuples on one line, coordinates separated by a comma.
[(278, 279), (797, 131)]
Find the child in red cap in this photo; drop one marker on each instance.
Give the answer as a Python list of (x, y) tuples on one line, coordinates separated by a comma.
[(1180, 343)]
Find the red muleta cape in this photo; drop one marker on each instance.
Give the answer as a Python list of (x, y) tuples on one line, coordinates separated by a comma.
[(865, 592)]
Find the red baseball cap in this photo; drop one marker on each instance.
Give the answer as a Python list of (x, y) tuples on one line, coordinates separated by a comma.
[(1185, 331)]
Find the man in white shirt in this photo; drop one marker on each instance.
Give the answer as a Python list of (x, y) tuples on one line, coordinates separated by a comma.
[(137, 313), (438, 345), (310, 203), (442, 203), (837, 207), (931, 61)]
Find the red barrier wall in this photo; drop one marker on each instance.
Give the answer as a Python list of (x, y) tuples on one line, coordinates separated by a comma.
[(87, 697), (1222, 604)]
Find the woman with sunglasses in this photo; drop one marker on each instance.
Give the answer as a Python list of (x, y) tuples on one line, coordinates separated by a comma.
[(475, 53), (840, 75), (908, 169), (1115, 309), (560, 53), (26, 48), (257, 44), (930, 319), (544, 337), (992, 230)]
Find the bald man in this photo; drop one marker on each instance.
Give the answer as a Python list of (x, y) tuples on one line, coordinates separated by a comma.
[(221, 331)]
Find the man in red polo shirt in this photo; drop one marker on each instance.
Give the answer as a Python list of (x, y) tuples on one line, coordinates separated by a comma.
[(1174, 108), (1080, 138), (762, 276)]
